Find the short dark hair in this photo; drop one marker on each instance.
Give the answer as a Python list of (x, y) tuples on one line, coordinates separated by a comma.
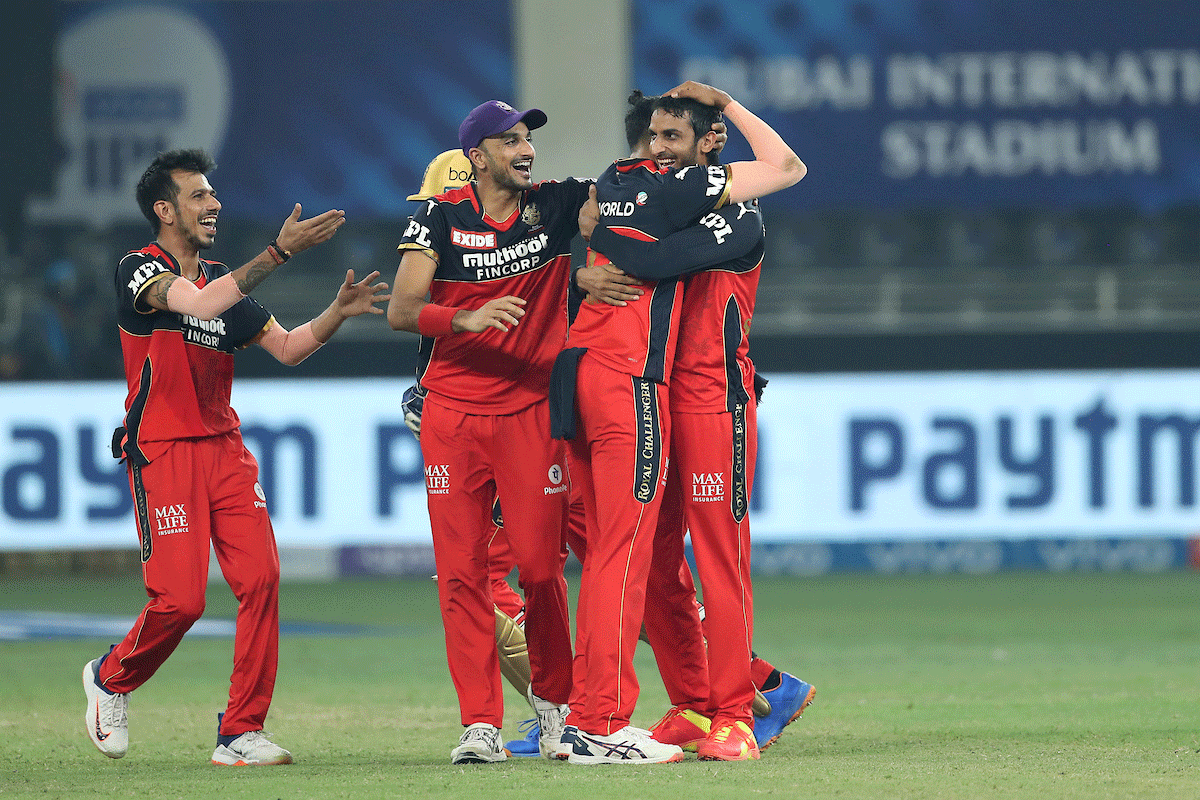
[(702, 117), (637, 119), (157, 184)]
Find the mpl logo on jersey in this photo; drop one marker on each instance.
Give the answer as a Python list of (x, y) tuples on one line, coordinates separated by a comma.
[(437, 478), (170, 519), (144, 273), (708, 487), (473, 240)]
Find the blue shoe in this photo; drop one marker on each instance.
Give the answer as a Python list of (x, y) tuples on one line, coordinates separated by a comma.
[(529, 745), (788, 701)]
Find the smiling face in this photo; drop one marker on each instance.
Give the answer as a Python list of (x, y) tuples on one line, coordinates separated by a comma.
[(507, 158), (673, 142), (192, 215)]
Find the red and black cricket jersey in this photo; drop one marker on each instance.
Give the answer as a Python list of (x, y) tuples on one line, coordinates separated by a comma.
[(712, 368), (179, 368), (479, 259), (643, 203)]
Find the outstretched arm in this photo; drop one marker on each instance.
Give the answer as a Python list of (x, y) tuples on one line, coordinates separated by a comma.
[(176, 293), (353, 299)]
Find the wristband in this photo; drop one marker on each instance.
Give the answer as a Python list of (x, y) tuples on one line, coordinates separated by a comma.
[(278, 253), (434, 320)]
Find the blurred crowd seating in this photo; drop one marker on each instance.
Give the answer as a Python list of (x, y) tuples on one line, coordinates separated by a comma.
[(848, 272)]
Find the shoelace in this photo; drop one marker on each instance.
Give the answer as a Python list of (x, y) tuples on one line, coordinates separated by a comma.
[(252, 740), (671, 714), (118, 715), (724, 732), (531, 728), (481, 735)]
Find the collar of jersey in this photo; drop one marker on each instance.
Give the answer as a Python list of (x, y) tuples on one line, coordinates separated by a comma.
[(178, 270), (500, 226), (631, 164)]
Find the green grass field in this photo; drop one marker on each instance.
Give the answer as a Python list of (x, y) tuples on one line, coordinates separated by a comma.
[(1013, 686)]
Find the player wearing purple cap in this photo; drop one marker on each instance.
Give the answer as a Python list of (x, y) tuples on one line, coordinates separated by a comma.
[(483, 278)]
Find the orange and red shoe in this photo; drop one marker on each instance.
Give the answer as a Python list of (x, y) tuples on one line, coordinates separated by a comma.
[(683, 727), (729, 741)]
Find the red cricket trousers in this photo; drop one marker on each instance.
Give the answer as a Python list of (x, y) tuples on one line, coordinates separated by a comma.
[(470, 458), (201, 491), (620, 453), (673, 626), (715, 455)]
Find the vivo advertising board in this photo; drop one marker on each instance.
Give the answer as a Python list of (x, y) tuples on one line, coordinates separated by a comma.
[(842, 458)]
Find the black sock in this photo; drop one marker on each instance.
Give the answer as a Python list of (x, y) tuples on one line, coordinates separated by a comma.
[(772, 682)]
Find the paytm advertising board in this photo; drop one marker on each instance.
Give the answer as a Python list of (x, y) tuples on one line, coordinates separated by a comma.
[(912, 103), (842, 458)]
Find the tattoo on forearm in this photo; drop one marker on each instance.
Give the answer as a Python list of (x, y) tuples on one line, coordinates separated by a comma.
[(257, 272)]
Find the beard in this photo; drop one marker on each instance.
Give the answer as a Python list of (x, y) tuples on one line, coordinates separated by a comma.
[(503, 177), (192, 236)]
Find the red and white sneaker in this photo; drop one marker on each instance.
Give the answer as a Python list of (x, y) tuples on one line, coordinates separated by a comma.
[(729, 741), (683, 727)]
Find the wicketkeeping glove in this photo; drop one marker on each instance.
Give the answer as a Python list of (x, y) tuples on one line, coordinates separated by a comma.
[(413, 403)]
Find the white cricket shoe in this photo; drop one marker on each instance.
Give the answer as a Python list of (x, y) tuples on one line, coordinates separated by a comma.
[(107, 717), (629, 745), (552, 719), (251, 749), (479, 744)]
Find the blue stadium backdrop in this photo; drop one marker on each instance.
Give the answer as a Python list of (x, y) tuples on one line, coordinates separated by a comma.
[(911, 103), (340, 104)]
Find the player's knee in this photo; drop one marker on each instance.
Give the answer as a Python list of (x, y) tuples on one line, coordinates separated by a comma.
[(182, 611), (263, 580), (534, 576)]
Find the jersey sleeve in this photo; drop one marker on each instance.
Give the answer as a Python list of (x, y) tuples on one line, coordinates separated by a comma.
[(718, 237), (135, 273), (694, 191), (427, 230), (246, 318), (577, 192)]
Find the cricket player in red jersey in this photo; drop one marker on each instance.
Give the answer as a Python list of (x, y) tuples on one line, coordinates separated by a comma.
[(713, 438), (493, 258), (181, 318), (620, 359)]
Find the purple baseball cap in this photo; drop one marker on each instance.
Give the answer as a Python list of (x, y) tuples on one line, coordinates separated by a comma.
[(493, 117)]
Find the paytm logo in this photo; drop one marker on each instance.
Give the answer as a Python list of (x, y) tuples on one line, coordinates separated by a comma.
[(948, 477)]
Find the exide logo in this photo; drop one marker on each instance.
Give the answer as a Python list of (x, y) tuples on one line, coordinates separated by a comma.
[(473, 240)]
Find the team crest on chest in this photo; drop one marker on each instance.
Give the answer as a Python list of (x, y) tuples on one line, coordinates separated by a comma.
[(531, 216)]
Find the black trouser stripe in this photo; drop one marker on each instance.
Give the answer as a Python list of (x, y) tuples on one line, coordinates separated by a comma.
[(740, 496), (143, 513), (648, 447)]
